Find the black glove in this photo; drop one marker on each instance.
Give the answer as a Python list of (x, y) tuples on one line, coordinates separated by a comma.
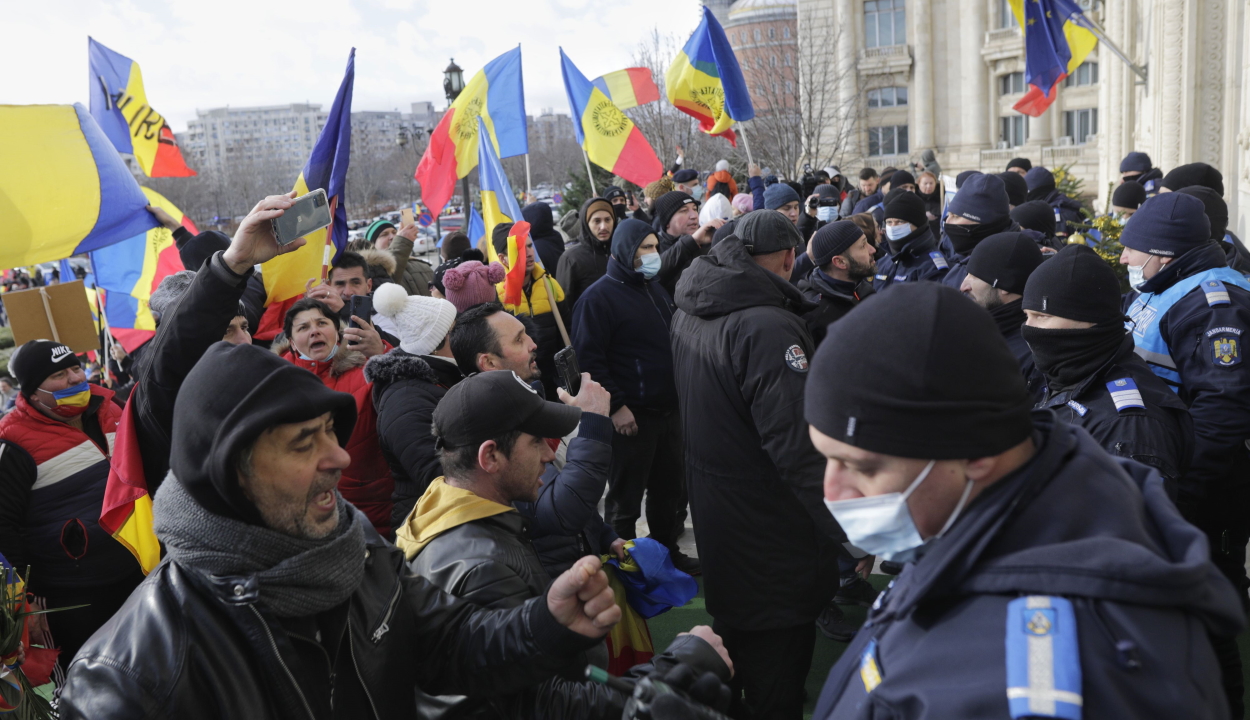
[(680, 694)]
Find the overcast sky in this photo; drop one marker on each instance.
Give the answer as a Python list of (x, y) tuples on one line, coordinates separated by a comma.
[(210, 53)]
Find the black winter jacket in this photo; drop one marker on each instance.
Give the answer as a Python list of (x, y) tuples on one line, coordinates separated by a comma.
[(767, 543), (919, 259), (1009, 317), (1160, 435), (406, 389), (583, 262), (833, 299), (676, 254), (489, 562), (620, 333), (1074, 525), (190, 645)]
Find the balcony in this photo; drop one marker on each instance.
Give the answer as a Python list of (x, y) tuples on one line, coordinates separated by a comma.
[(880, 162), (885, 60), (1002, 44)]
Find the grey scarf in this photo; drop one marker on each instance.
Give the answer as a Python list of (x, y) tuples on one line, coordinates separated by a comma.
[(296, 577)]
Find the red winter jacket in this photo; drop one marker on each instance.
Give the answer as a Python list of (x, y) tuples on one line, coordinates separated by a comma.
[(57, 498), (366, 483)]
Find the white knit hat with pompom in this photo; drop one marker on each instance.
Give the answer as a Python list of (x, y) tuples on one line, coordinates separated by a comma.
[(422, 322)]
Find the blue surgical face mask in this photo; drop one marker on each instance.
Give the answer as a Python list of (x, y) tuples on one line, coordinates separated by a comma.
[(826, 213), (898, 232), (882, 524), (650, 265)]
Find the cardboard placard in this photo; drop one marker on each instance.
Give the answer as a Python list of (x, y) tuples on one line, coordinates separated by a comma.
[(52, 312)]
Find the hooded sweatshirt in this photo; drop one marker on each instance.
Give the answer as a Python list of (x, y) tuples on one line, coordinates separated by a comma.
[(440, 509), (547, 241), (586, 261)]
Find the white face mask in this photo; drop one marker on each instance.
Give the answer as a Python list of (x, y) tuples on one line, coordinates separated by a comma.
[(1136, 276), (882, 524), (898, 232), (826, 213), (650, 265)]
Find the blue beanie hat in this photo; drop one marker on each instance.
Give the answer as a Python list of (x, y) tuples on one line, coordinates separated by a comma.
[(1168, 224), (833, 240), (982, 198), (780, 194), (1136, 162)]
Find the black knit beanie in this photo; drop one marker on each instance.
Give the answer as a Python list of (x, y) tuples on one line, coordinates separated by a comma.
[(667, 205), (1129, 195), (1216, 208), (833, 240), (1198, 173), (1138, 162), (1023, 163), (1168, 224), (1036, 215), (35, 360), (232, 395), (194, 251), (901, 178), (962, 177), (1017, 188), (1005, 260), (981, 198), (906, 206), (499, 238), (944, 385), (1075, 284)]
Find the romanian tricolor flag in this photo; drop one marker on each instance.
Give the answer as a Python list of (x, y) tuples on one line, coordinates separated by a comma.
[(130, 272), (127, 510), (286, 276), (1057, 39), (609, 138), (120, 105), (64, 190), (496, 95), (706, 83), (628, 88)]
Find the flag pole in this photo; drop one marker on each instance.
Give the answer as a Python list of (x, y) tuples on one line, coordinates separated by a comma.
[(746, 144), (529, 193), (589, 175), (1115, 49)]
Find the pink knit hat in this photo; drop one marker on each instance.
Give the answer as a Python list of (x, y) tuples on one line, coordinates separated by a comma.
[(743, 203), (472, 283)]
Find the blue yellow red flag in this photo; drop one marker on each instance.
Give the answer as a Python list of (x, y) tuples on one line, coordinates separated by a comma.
[(130, 271), (499, 205), (706, 83), (120, 105), (496, 94), (126, 512), (64, 190), (628, 88), (610, 139), (286, 276), (1057, 39)]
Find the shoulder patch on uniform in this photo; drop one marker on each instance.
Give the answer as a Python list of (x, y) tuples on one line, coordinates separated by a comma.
[(1226, 350), (1217, 294), (1125, 395), (1078, 408), (869, 668), (1150, 186), (1043, 658), (1225, 329), (939, 261), (900, 278), (796, 358), (880, 277)]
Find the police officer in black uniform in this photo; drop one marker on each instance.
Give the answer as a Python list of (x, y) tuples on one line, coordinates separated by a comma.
[(980, 209), (996, 272), (913, 251), (1050, 579), (1093, 379), (1189, 320)]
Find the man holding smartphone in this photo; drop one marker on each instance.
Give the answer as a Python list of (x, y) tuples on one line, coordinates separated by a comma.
[(349, 278)]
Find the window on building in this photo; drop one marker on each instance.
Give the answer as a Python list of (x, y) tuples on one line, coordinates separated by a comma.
[(1011, 83), (789, 86), (788, 62), (785, 33), (887, 140), (757, 34), (1014, 130), (772, 33), (1080, 125), (1085, 74), (884, 23), (1006, 18), (759, 61), (772, 61), (887, 97)]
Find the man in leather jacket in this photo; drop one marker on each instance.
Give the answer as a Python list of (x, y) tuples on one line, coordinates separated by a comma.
[(467, 537), (276, 599)]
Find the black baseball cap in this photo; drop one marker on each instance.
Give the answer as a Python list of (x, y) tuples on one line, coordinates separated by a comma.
[(489, 404)]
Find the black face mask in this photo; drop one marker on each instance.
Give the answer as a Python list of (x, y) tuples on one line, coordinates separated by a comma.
[(1066, 357), (619, 210), (966, 237)]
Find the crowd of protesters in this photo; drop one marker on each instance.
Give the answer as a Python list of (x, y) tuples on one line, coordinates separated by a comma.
[(393, 508)]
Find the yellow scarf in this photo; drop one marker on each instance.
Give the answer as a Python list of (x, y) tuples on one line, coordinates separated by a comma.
[(440, 509)]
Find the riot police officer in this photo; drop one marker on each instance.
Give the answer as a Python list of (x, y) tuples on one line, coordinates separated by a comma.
[(1188, 321), (913, 251), (1093, 379), (1050, 578)]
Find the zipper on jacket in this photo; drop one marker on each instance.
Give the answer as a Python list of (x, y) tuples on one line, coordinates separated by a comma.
[(1125, 650), (274, 645), (351, 649), (383, 628)]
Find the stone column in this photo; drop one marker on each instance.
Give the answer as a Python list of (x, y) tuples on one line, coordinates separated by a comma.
[(972, 70), (847, 35), (921, 100)]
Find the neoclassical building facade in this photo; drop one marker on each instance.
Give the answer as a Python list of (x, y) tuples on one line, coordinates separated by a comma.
[(944, 74)]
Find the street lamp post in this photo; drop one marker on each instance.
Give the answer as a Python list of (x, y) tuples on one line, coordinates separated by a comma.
[(410, 137), (453, 84)]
